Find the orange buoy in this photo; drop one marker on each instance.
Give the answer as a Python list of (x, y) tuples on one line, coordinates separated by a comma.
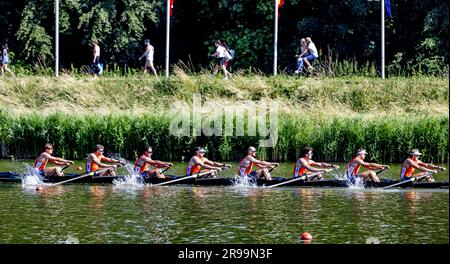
[(39, 188), (306, 236), (79, 168)]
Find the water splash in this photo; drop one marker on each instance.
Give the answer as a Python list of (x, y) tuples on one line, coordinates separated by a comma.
[(31, 177), (244, 181), (131, 179), (340, 177), (358, 185)]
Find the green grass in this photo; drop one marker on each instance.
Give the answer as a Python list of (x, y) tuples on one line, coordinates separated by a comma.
[(139, 94), (333, 115)]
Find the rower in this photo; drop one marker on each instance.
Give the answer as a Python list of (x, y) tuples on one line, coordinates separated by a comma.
[(95, 159), (352, 170), (412, 163), (145, 159), (199, 164), (46, 156), (304, 165), (246, 166)]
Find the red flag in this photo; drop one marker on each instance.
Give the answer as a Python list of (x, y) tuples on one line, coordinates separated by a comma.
[(171, 6), (280, 3)]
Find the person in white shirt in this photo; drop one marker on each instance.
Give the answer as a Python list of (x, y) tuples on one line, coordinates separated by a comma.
[(148, 54), (303, 53), (221, 57), (313, 54)]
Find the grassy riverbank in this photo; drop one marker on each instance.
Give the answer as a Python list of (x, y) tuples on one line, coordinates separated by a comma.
[(146, 94), (334, 116)]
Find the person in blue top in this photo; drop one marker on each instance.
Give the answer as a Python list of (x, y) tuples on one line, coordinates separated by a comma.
[(5, 60)]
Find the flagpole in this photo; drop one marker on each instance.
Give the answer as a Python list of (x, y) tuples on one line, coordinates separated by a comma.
[(275, 42), (167, 37), (57, 38), (382, 40)]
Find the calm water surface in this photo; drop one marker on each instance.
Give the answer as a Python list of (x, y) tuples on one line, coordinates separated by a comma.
[(186, 214)]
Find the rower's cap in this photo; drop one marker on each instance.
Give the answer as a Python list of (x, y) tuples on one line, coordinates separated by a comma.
[(415, 152), (200, 150), (361, 152), (251, 149), (48, 146)]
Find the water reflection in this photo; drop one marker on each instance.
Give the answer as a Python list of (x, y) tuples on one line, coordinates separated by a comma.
[(97, 194), (189, 214)]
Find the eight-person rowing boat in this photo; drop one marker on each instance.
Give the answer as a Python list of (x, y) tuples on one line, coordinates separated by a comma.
[(229, 181), (305, 168)]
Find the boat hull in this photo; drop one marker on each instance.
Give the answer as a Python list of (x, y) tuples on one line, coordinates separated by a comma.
[(14, 177)]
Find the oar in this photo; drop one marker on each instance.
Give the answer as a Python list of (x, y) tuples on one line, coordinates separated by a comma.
[(410, 180), (380, 171), (441, 168), (166, 169), (84, 175), (65, 167), (297, 179), (271, 169), (188, 177)]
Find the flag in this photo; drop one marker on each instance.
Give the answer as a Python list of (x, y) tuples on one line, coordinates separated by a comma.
[(280, 3), (171, 6), (388, 7)]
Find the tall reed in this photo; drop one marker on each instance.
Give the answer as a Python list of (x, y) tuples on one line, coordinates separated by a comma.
[(386, 138)]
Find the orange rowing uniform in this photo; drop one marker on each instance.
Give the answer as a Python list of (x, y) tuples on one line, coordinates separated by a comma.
[(140, 166), (40, 164), (299, 169), (92, 166), (193, 168), (407, 172), (245, 166), (352, 169)]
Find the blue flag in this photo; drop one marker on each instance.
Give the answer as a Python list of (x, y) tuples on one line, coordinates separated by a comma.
[(388, 7)]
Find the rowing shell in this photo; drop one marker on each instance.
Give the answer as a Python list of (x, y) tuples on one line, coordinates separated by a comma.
[(14, 177)]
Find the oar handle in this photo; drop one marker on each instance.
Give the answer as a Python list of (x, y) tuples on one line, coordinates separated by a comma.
[(65, 167), (441, 168), (166, 169), (383, 169), (274, 166), (226, 166)]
